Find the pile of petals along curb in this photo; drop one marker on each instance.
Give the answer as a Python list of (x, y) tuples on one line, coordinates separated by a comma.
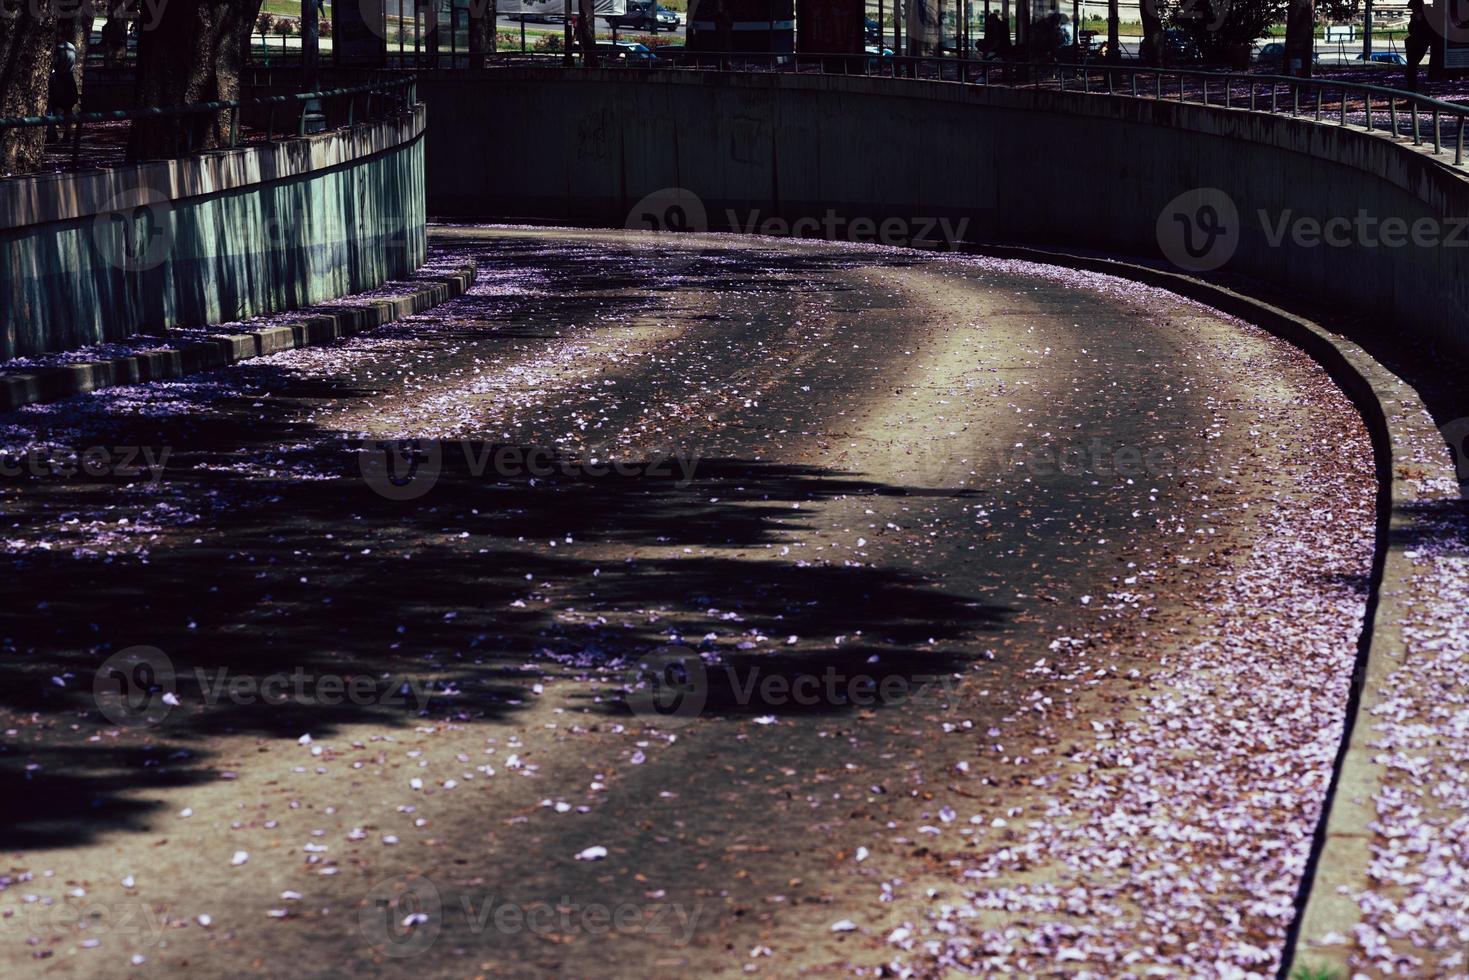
[(165, 361), (1211, 785), (1415, 916)]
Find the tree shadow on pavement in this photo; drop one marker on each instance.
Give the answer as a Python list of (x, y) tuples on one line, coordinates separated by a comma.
[(264, 553)]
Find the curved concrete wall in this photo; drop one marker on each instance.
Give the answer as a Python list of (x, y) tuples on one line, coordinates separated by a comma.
[(101, 255), (1022, 166)]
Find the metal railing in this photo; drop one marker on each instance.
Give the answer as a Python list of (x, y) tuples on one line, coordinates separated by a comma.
[(1393, 113), (264, 119)]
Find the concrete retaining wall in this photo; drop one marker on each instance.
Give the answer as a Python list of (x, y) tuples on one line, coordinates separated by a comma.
[(101, 255), (1022, 166)]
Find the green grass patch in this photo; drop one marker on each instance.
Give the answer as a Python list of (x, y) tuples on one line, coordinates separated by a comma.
[(1314, 973)]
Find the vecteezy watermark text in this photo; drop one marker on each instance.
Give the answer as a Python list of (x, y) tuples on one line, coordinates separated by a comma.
[(92, 461), (140, 686), (680, 210), (673, 685), (403, 917), (89, 917), (405, 469), (1201, 229), (148, 13), (917, 231)]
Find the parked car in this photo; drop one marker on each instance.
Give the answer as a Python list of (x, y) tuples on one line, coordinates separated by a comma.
[(626, 52), (1385, 58), (644, 15), (1273, 55)]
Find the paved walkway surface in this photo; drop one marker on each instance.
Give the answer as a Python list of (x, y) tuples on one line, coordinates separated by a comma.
[(938, 613)]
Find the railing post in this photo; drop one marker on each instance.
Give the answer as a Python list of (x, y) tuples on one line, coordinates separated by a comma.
[(1180, 86), (270, 124), (1133, 75), (1318, 103), (1367, 101), (1252, 96), (1206, 91), (1158, 85), (1392, 113), (1437, 133), (234, 126), (1459, 149), (1343, 107), (1417, 136)]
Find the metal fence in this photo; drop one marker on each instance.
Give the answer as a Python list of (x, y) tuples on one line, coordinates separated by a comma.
[(1393, 113), (102, 135)]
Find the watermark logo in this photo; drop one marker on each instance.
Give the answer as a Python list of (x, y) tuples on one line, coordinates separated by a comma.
[(135, 687), (1058, 457), (907, 231), (668, 210), (1451, 24), (672, 686), (668, 687), (402, 916), (132, 920), (677, 210), (662, 216), (139, 686), (146, 13), (303, 688), (134, 230), (1199, 229), (1073, 457), (407, 470), (96, 462), (1362, 230), (401, 469)]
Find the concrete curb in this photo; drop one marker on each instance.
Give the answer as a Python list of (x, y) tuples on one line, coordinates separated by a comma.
[(1412, 458), (49, 384)]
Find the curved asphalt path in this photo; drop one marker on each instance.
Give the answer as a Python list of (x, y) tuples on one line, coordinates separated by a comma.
[(928, 475)]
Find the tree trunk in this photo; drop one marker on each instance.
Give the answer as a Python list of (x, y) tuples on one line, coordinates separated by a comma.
[(586, 31), (1114, 43), (1300, 40), (26, 43), (78, 30), (115, 34), (1152, 44), (193, 54), (482, 31), (923, 27), (430, 10)]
